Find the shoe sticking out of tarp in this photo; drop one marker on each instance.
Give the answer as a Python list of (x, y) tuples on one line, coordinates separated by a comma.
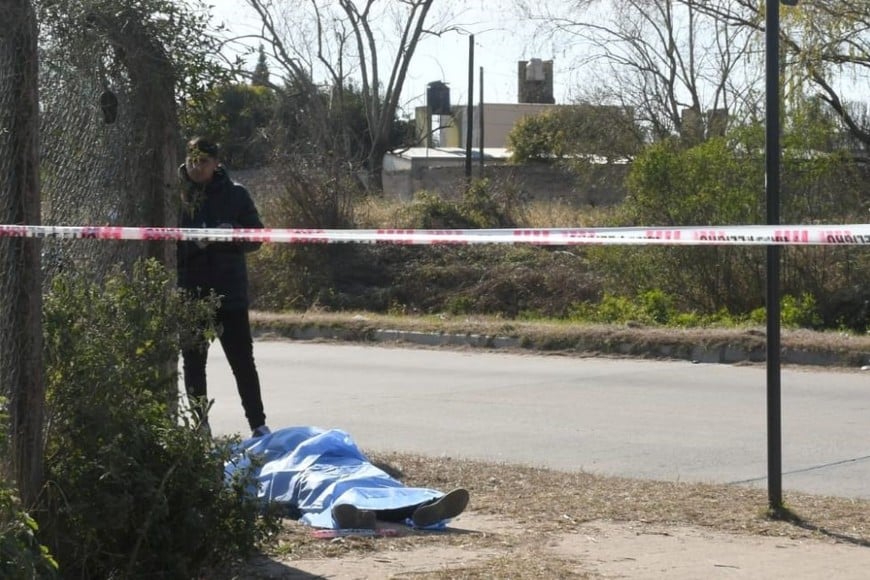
[(445, 507), (347, 516), (260, 431)]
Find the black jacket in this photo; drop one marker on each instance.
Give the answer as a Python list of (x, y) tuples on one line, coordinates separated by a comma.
[(218, 266)]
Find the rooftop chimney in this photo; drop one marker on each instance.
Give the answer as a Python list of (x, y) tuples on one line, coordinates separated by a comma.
[(535, 81)]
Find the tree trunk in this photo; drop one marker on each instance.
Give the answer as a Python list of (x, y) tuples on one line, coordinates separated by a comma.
[(152, 80), (378, 151), (21, 361)]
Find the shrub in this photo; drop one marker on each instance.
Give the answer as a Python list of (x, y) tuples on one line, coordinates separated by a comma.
[(132, 491), (22, 556), (431, 211), (484, 204), (318, 194), (572, 133), (795, 312), (653, 307)]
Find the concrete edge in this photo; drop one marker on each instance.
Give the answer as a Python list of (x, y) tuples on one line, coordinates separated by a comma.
[(721, 353)]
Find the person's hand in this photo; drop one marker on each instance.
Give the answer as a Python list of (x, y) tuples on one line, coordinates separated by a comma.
[(203, 244), (228, 243)]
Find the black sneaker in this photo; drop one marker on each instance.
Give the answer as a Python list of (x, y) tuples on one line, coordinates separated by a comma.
[(260, 431), (347, 516), (445, 507)]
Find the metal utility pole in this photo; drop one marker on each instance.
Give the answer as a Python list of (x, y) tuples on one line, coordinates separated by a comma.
[(481, 124), (773, 156), (470, 115)]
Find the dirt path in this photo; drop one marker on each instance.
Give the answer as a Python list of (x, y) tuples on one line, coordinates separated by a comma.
[(597, 549), (686, 553)]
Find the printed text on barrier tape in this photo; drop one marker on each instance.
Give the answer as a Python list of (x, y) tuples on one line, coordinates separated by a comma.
[(852, 234)]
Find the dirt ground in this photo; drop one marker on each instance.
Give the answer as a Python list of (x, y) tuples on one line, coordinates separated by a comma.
[(529, 523), (598, 549)]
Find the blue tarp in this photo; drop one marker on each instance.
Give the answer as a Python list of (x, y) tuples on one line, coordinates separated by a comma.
[(312, 470)]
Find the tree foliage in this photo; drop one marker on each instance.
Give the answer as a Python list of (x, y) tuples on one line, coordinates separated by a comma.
[(721, 181), (240, 118), (685, 65), (260, 76), (575, 133), (76, 29), (667, 60), (825, 52), (22, 556)]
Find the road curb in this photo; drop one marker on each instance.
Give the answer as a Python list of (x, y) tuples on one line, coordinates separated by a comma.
[(716, 352)]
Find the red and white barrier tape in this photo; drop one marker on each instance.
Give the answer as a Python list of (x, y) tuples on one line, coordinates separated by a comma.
[(784, 235)]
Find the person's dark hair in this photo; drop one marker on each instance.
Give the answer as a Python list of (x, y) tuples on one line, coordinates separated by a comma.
[(203, 145)]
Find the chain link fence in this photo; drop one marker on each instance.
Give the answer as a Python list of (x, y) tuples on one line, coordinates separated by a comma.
[(102, 105), (88, 157)]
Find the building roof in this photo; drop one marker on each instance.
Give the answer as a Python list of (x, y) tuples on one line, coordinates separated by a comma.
[(457, 153)]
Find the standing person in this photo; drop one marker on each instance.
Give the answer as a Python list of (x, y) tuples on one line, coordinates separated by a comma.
[(210, 199)]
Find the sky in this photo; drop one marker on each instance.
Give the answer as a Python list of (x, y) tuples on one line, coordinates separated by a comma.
[(500, 41)]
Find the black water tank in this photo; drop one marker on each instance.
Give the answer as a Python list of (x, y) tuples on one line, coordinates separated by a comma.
[(438, 98)]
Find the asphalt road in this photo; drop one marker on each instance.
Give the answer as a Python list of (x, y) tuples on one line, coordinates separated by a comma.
[(673, 421)]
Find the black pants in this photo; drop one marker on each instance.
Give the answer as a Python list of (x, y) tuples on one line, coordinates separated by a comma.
[(235, 336)]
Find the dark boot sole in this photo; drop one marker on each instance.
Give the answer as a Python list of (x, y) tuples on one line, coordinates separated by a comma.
[(347, 516), (445, 507)]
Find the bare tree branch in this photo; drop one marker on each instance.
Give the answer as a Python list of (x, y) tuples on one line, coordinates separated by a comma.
[(350, 39), (659, 57)]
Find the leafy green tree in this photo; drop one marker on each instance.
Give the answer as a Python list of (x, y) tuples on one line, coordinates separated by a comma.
[(536, 138), (721, 182), (241, 119), (825, 48), (21, 554), (575, 133), (712, 183)]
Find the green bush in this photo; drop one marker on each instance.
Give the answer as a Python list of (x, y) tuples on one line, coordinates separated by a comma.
[(654, 308), (133, 490), (22, 556), (431, 211), (484, 204), (717, 182), (568, 134), (795, 312)]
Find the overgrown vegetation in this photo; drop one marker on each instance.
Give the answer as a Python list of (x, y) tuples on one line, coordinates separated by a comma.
[(133, 489), (719, 181), (22, 556)]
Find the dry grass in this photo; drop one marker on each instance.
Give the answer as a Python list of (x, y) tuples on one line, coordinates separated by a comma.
[(549, 501), (375, 212), (560, 214), (545, 504), (841, 349)]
